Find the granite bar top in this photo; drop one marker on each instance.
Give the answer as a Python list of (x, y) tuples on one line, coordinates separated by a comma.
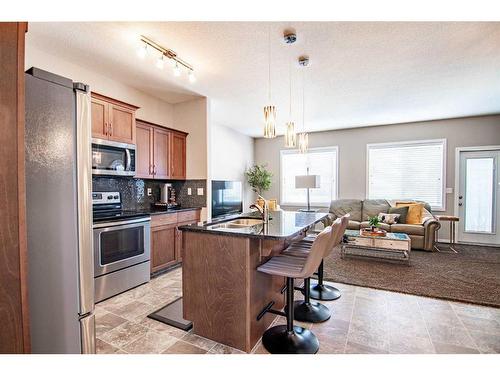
[(159, 211), (282, 225)]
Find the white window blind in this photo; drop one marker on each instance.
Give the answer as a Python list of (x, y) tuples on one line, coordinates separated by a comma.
[(412, 170), (320, 161)]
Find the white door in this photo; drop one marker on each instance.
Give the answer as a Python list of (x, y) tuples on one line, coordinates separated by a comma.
[(479, 197)]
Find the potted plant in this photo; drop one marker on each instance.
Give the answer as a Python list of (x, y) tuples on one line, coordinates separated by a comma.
[(374, 222), (259, 178)]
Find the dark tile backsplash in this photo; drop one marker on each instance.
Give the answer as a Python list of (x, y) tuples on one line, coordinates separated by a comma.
[(134, 191)]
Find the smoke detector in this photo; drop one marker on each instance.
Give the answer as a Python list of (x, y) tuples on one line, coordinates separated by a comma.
[(304, 60), (289, 36)]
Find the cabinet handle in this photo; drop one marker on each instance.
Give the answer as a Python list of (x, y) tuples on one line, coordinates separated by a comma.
[(110, 128), (154, 169), (105, 128)]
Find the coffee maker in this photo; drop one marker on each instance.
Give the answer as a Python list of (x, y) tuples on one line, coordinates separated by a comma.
[(167, 197)]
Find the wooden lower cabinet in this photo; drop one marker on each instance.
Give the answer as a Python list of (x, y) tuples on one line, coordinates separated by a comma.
[(166, 238), (163, 243)]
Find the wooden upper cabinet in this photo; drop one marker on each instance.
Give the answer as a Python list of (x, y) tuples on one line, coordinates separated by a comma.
[(144, 151), (161, 155), (160, 152), (113, 120), (178, 156), (99, 110), (122, 124)]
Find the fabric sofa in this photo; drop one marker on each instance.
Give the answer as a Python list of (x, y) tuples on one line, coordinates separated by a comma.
[(422, 235)]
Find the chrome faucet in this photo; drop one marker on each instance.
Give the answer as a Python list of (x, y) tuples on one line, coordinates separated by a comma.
[(264, 211)]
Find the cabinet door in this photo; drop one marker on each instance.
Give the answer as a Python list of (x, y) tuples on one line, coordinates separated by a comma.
[(161, 143), (99, 109), (144, 151), (121, 124), (163, 241), (178, 156)]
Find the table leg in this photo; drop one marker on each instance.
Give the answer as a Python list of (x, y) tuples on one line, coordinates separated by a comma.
[(452, 236)]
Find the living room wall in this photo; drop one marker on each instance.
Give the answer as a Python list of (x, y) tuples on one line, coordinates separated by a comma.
[(459, 132)]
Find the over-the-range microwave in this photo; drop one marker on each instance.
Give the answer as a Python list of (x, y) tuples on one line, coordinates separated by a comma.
[(112, 158)]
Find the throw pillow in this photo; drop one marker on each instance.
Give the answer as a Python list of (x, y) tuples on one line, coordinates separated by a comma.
[(414, 212), (402, 211), (388, 218)]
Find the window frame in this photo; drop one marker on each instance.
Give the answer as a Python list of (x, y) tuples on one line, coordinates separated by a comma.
[(440, 141), (313, 150)]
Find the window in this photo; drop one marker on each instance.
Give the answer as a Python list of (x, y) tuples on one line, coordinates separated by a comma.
[(320, 161), (408, 170)]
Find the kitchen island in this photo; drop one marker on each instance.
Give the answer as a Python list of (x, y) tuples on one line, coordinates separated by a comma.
[(223, 293)]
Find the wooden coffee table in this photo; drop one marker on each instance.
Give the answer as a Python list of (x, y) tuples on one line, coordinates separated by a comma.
[(394, 246)]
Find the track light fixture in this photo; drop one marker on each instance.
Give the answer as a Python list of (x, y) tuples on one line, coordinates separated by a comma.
[(165, 53)]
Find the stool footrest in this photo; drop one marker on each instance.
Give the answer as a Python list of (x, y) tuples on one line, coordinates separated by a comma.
[(268, 309)]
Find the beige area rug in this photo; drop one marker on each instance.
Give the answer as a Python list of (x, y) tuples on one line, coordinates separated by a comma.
[(472, 275)]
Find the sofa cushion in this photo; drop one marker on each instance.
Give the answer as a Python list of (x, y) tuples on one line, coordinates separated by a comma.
[(384, 226), (402, 211), (340, 207), (408, 229), (353, 224), (415, 211), (372, 207)]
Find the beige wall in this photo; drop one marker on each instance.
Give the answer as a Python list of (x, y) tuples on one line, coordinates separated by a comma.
[(471, 131), (232, 153)]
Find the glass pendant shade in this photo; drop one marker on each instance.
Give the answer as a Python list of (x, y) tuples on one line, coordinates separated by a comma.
[(303, 142), (270, 121), (290, 135)]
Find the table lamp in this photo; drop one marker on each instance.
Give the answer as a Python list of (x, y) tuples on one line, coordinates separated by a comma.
[(310, 181)]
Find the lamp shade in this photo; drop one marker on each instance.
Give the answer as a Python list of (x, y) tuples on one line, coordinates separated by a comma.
[(307, 182)]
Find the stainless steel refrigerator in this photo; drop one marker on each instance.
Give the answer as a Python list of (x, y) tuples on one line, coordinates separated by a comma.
[(59, 214)]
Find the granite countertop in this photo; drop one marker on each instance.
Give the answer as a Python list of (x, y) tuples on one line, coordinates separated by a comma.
[(157, 211), (282, 225)]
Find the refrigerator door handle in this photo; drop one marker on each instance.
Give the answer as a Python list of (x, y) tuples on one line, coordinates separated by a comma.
[(84, 183)]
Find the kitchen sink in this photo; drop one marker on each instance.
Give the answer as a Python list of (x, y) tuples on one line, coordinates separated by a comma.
[(237, 223)]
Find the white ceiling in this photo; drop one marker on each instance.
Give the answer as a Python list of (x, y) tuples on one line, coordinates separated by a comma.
[(361, 73)]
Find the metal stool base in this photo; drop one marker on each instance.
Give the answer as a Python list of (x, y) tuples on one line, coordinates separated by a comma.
[(312, 312), (277, 340), (322, 292)]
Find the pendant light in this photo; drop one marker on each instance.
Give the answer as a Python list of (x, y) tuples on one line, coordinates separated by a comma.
[(269, 110), (290, 135), (303, 137)]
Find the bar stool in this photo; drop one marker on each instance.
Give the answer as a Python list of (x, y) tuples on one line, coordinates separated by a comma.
[(307, 311), (290, 339)]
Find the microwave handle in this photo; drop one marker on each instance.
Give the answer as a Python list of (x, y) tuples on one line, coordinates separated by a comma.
[(128, 165)]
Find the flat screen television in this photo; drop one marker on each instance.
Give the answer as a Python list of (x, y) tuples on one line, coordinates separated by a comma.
[(226, 198)]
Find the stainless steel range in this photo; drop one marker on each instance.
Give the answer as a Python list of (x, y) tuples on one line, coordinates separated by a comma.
[(121, 246)]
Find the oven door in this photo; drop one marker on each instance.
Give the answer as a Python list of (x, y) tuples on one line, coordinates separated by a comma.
[(121, 244), (112, 158)]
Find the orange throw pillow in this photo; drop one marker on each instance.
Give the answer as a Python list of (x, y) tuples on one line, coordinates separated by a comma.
[(415, 211)]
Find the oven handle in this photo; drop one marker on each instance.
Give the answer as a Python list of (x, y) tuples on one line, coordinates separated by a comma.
[(120, 223)]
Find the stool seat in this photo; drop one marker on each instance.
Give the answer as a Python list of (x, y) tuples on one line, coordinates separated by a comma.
[(281, 265), (297, 251)]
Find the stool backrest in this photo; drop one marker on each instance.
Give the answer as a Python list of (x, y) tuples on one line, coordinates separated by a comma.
[(321, 245), (344, 221)]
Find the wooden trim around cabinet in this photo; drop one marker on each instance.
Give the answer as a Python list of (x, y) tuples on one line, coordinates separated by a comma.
[(162, 127), (113, 101)]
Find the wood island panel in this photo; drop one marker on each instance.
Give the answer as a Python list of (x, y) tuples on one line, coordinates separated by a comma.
[(222, 290)]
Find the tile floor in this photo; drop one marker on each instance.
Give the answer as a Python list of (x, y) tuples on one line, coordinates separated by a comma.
[(363, 321)]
